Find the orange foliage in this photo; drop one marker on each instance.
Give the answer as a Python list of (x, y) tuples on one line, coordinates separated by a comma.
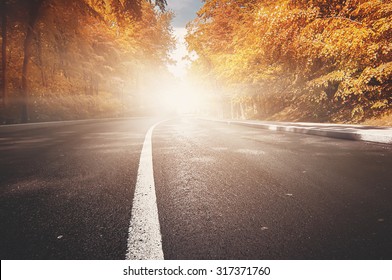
[(320, 60), (92, 49)]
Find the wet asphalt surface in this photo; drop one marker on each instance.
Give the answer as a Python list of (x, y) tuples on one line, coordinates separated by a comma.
[(223, 192)]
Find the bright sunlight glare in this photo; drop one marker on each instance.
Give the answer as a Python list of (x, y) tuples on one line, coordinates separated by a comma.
[(175, 92), (181, 98)]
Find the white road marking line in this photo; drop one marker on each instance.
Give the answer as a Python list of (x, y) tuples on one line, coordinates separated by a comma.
[(144, 239)]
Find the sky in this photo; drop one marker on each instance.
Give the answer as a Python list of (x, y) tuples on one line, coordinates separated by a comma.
[(185, 11)]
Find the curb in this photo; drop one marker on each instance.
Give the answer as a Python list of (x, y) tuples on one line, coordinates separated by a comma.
[(373, 134)]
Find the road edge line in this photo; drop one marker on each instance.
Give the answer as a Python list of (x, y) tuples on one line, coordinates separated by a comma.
[(356, 134)]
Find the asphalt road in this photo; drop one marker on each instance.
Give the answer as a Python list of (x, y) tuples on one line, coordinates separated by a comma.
[(223, 192)]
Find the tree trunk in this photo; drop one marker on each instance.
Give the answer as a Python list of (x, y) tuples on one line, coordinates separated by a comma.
[(34, 9), (231, 108), (91, 86), (40, 61), (3, 7), (242, 111)]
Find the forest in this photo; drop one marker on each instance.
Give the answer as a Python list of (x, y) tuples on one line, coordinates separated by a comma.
[(317, 60), (291, 60), (75, 59)]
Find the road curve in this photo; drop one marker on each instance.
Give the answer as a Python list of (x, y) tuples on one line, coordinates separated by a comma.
[(222, 192)]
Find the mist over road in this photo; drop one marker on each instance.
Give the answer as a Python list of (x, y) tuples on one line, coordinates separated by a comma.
[(222, 191)]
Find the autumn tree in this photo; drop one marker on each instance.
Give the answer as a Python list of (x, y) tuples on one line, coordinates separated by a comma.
[(309, 60), (3, 90), (81, 51)]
